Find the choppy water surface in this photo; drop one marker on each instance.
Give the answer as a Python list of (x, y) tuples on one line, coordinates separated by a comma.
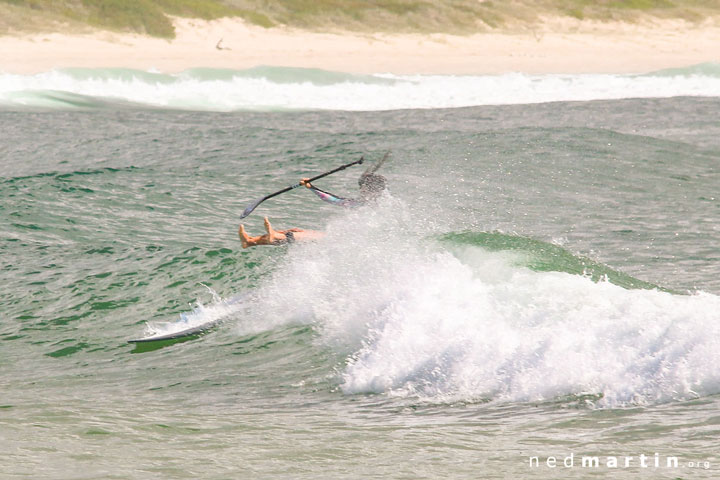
[(541, 281)]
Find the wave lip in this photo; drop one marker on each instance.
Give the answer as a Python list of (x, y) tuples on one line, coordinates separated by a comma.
[(281, 88)]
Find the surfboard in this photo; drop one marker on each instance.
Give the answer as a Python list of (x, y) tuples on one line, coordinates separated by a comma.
[(195, 323), (179, 334)]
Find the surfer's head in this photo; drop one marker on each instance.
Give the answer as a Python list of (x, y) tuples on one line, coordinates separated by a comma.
[(372, 184)]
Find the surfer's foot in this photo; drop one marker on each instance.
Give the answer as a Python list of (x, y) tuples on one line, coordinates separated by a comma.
[(244, 237), (273, 236)]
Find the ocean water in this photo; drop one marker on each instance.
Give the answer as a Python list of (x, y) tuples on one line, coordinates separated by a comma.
[(539, 284)]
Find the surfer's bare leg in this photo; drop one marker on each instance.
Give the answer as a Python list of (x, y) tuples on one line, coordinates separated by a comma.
[(276, 237), (300, 235), (248, 241)]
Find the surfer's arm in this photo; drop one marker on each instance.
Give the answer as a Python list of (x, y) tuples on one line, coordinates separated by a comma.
[(329, 197), (333, 199)]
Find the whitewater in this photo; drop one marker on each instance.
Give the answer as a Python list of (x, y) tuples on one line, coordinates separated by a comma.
[(273, 88)]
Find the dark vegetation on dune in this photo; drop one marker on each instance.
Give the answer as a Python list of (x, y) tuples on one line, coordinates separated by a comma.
[(154, 17)]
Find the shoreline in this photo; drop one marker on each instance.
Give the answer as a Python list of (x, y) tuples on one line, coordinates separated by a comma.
[(556, 46)]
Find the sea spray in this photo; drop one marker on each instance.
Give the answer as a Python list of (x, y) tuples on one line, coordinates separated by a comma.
[(201, 315), (413, 318)]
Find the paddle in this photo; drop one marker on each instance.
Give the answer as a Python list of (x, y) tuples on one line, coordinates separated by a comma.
[(374, 168), (255, 204)]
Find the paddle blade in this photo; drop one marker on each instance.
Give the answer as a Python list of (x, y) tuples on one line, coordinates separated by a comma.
[(249, 209), (380, 163), (374, 168)]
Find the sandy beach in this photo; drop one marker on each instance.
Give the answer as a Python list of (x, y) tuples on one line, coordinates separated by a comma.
[(558, 46)]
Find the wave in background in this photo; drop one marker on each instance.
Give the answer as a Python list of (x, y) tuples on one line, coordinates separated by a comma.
[(280, 88)]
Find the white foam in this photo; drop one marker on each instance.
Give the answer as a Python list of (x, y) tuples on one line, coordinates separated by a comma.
[(200, 316), (415, 320), (368, 93)]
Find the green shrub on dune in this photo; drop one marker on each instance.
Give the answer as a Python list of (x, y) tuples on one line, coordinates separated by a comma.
[(142, 16), (153, 17)]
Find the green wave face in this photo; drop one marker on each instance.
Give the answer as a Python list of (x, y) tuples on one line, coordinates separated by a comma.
[(285, 75), (273, 74), (708, 69), (546, 257)]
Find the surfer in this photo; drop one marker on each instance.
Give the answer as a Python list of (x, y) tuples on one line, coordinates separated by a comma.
[(277, 237), (371, 187)]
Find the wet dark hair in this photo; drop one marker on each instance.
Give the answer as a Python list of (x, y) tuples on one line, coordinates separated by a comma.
[(372, 182)]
